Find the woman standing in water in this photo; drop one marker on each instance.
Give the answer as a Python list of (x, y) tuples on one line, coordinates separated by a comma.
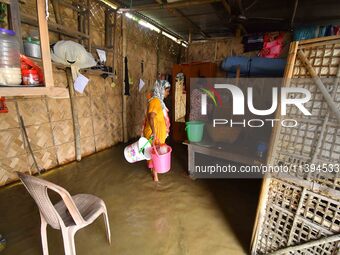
[(157, 123)]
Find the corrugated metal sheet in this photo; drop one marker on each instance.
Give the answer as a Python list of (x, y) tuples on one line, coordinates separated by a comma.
[(213, 19)]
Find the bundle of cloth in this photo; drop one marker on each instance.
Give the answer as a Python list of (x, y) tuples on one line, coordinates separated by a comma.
[(70, 53)]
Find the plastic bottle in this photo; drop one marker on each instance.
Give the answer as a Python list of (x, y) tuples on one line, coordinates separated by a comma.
[(10, 71)]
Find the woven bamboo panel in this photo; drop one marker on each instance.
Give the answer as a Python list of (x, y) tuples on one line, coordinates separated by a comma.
[(65, 153), (83, 105), (49, 121), (59, 77), (114, 103), (316, 132), (116, 121), (98, 105), (10, 119), (287, 223), (102, 141), (11, 143), (62, 132), (8, 166), (86, 128), (109, 89), (46, 159), (299, 206), (87, 146), (33, 111), (99, 124), (112, 122), (96, 85), (40, 136), (117, 135), (59, 109)]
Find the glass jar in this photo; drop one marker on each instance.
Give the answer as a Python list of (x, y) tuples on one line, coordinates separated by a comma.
[(10, 71)]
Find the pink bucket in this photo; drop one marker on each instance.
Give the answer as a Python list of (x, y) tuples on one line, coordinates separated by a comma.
[(161, 163)]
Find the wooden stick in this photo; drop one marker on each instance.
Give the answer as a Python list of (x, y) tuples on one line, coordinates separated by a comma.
[(114, 41), (22, 126), (56, 7), (299, 247), (88, 20), (320, 84), (45, 44), (124, 110), (76, 126)]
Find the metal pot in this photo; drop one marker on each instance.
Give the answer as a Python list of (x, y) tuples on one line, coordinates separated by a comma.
[(32, 50)]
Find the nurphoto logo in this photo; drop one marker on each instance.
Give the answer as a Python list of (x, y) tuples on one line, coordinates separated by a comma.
[(239, 98)]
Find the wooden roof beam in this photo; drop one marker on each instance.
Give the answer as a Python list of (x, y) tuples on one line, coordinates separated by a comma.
[(179, 4)]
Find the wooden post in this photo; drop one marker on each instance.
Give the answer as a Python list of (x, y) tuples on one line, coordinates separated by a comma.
[(56, 7), (45, 44), (88, 19), (261, 208), (157, 54), (108, 29), (124, 34), (114, 42), (189, 43), (76, 126), (191, 161)]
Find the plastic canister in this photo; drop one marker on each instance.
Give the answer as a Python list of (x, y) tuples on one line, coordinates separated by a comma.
[(10, 73)]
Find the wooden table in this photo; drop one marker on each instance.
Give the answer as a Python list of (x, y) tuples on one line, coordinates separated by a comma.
[(232, 153)]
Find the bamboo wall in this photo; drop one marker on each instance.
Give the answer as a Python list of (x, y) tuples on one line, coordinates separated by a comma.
[(158, 54), (49, 126), (215, 51), (49, 121)]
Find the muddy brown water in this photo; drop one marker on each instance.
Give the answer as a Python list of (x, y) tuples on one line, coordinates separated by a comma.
[(174, 217)]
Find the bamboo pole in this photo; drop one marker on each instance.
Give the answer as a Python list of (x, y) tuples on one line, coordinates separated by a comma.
[(261, 208), (76, 126), (56, 7), (124, 117), (114, 42), (45, 44), (320, 84)]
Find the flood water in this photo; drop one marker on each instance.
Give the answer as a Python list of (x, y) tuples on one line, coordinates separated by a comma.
[(175, 216)]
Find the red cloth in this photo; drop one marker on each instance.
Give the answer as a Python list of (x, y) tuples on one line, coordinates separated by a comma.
[(272, 45)]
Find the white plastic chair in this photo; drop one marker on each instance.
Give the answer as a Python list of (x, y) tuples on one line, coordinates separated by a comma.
[(70, 214)]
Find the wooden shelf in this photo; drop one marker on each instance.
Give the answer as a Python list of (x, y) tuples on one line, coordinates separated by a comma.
[(39, 62), (34, 91)]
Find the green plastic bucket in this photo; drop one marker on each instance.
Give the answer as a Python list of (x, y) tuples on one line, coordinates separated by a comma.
[(194, 130)]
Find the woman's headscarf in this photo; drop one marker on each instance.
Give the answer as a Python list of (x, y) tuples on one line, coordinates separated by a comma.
[(158, 91)]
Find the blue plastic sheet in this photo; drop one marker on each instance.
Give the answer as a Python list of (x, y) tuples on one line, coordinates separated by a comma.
[(254, 67)]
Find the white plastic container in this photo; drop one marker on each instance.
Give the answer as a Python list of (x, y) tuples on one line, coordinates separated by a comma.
[(10, 68)]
